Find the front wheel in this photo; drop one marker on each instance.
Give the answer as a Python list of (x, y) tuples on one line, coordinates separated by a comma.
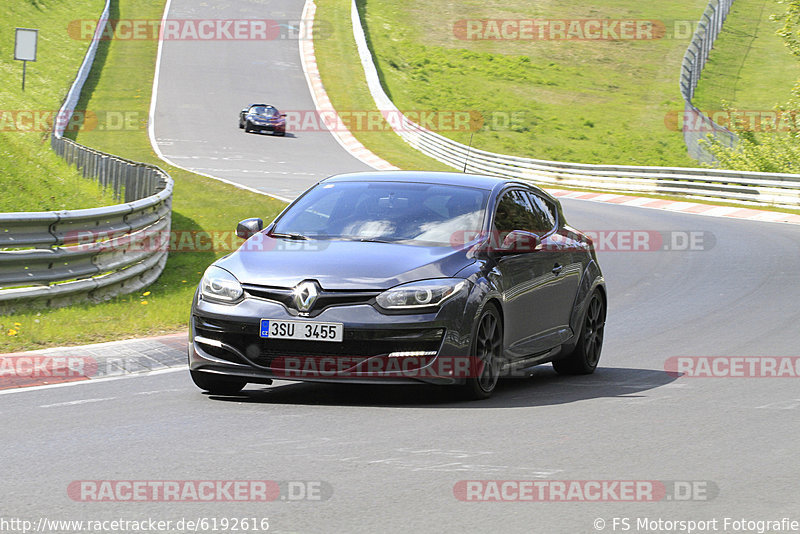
[(247, 127), (584, 358), (487, 351), (217, 385)]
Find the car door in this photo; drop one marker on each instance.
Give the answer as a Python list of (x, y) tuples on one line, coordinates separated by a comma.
[(523, 277), (561, 284)]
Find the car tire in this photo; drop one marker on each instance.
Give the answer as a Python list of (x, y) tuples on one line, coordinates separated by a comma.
[(585, 356), (247, 127), (487, 346), (280, 134), (241, 125), (217, 385)]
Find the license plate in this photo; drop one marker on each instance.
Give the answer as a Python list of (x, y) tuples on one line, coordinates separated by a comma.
[(307, 330)]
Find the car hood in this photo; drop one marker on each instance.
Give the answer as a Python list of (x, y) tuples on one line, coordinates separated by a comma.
[(350, 265)]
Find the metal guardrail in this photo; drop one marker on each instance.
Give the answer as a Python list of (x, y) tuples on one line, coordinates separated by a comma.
[(696, 125), (60, 257), (759, 188)]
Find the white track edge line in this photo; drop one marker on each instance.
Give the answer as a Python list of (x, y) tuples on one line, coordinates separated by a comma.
[(94, 380)]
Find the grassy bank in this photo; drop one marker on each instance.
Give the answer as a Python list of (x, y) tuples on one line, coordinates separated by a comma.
[(122, 82), (594, 101), (749, 67), (32, 178), (343, 76)]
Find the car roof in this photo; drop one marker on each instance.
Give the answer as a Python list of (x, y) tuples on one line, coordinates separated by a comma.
[(478, 181), (265, 105)]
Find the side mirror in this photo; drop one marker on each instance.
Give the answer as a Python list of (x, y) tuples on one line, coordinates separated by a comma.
[(283, 114), (518, 242), (248, 227)]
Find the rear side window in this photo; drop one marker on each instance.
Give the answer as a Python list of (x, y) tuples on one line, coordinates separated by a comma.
[(543, 213)]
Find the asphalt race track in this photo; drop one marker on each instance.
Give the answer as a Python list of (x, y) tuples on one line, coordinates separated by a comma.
[(204, 84), (389, 458)]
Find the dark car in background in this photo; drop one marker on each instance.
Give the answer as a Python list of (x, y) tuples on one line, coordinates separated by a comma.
[(401, 277), (262, 118)]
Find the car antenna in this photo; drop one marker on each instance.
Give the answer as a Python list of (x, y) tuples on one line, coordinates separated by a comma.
[(466, 159)]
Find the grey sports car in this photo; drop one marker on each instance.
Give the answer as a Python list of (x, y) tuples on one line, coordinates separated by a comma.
[(401, 277)]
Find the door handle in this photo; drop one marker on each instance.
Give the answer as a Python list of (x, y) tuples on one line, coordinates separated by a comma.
[(557, 269)]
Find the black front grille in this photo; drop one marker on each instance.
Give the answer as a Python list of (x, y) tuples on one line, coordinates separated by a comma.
[(357, 345), (325, 299)]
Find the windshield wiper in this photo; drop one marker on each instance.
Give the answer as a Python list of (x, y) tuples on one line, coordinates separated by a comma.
[(373, 240), (361, 239), (298, 237)]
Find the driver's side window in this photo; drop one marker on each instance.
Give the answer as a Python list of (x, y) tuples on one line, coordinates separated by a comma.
[(519, 210), (513, 213)]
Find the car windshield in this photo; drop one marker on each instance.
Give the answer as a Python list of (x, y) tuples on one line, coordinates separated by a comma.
[(265, 111), (398, 212)]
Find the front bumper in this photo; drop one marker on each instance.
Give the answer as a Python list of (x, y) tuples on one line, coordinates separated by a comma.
[(268, 127), (377, 347)]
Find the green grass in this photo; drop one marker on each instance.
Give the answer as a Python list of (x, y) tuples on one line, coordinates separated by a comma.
[(32, 177), (343, 76), (749, 67), (584, 101), (122, 81)]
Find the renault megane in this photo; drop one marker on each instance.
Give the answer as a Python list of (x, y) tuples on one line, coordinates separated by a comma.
[(401, 277)]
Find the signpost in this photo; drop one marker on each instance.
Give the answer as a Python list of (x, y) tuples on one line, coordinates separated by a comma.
[(25, 48)]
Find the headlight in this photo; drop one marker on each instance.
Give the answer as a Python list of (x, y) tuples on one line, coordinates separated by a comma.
[(221, 286), (423, 294)]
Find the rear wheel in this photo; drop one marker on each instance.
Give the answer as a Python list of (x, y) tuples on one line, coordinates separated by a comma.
[(584, 358), (217, 385), (487, 350)]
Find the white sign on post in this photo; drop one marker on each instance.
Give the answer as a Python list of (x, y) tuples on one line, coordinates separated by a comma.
[(25, 44), (25, 48)]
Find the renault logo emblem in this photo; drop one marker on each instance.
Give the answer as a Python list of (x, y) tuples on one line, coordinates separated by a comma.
[(305, 295)]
